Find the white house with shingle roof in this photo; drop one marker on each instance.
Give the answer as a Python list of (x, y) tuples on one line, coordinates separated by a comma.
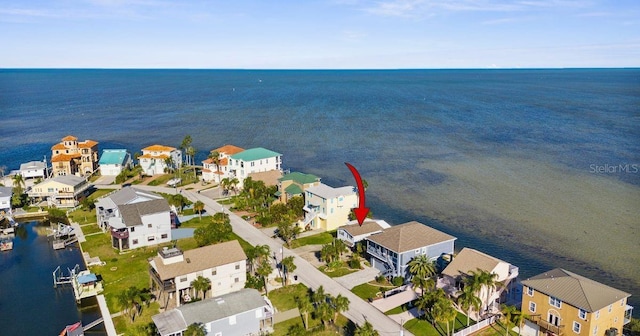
[(468, 261), (5, 199), (224, 264), (134, 218), (34, 169), (354, 232), (392, 249), (244, 312), (60, 191), (153, 159)]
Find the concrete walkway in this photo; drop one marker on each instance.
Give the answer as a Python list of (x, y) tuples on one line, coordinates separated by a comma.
[(405, 316), (286, 315), (357, 278), (108, 322), (390, 302)]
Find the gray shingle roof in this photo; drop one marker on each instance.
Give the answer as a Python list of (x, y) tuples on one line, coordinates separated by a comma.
[(200, 259), (357, 229), (70, 180), (132, 213), (5, 191), (575, 289), (208, 310), (470, 260), (409, 236), (128, 194)]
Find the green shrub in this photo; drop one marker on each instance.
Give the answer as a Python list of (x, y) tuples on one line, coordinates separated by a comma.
[(397, 281)]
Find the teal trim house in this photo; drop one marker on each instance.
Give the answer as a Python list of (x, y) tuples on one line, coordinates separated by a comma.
[(113, 161)]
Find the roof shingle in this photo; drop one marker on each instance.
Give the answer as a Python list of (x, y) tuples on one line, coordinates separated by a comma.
[(409, 236)]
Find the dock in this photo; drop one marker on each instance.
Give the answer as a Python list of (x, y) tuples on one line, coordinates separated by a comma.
[(84, 283)]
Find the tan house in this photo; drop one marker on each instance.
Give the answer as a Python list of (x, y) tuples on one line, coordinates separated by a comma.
[(469, 260), (224, 264), (70, 157), (60, 191), (563, 303)]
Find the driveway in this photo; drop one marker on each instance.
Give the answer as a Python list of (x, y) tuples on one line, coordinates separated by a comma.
[(357, 278)]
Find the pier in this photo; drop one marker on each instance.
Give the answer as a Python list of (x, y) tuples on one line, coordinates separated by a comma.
[(84, 283)]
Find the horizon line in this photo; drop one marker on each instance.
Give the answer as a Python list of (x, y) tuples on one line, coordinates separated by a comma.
[(324, 69)]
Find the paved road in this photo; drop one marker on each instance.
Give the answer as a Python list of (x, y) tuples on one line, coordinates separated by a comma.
[(359, 310)]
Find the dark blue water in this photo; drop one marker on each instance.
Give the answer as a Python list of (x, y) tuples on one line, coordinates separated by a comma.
[(388, 124), (29, 304)]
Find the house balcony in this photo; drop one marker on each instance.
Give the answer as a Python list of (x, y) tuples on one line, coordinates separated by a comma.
[(120, 234), (165, 285), (628, 312), (548, 327)]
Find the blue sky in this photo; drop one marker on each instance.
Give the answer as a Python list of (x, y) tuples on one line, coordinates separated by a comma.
[(319, 34)]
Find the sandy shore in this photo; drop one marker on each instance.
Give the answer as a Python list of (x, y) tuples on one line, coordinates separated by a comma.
[(591, 218)]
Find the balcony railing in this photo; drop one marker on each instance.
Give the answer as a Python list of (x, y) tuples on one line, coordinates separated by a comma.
[(513, 272), (166, 285), (537, 319), (120, 234)]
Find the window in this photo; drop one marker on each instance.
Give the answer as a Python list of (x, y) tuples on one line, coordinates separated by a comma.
[(164, 236), (151, 238), (597, 314), (236, 280), (595, 330), (237, 266), (418, 251), (555, 302), (132, 229), (529, 291), (576, 327), (214, 272), (610, 306), (135, 242), (149, 225), (532, 306), (183, 279), (232, 320), (582, 314)]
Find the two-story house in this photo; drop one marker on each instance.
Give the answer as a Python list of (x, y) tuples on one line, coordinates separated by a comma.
[(244, 312), (394, 248), (60, 191), (469, 260), (253, 160), (155, 159), (562, 303), (5, 200), (224, 264), (70, 157), (327, 207), (216, 170), (114, 161), (34, 170), (134, 218), (294, 184)]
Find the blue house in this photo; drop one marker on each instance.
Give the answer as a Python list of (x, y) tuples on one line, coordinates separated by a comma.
[(394, 248), (113, 161)]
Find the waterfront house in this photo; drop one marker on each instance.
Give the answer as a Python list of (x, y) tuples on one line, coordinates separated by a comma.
[(224, 264), (244, 312), (559, 302), (354, 232), (469, 260), (392, 249), (328, 208), (34, 170), (134, 218), (213, 171), (253, 160), (156, 159), (114, 161), (294, 184), (5, 200), (60, 191), (70, 157)]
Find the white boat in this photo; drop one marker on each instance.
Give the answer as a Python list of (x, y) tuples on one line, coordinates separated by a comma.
[(6, 244)]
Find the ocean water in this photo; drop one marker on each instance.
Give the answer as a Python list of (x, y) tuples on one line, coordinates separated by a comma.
[(516, 163)]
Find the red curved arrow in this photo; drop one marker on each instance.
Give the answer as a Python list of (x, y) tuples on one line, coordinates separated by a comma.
[(361, 211)]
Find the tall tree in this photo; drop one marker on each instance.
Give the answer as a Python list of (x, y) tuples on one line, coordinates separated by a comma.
[(288, 266), (420, 266), (319, 296), (201, 284), (287, 231), (215, 159), (305, 307), (195, 329), (340, 304), (264, 269), (186, 143), (467, 299), (366, 330), (519, 320), (324, 311), (198, 207), (508, 313), (18, 181)]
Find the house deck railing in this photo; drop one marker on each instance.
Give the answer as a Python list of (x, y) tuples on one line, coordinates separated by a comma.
[(537, 319)]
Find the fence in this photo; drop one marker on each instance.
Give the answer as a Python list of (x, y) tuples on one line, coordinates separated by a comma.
[(473, 328)]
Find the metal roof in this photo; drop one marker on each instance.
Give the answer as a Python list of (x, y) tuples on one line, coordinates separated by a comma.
[(254, 154), (113, 156)]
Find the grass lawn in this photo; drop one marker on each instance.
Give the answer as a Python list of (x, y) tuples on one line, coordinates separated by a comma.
[(82, 216), (496, 329), (402, 308), (315, 326), (370, 289), (123, 323), (161, 180), (317, 239), (420, 326), (336, 272), (90, 228), (99, 193), (285, 298)]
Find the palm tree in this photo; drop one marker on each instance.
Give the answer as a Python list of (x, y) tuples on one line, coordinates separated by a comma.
[(234, 183), (479, 279), (324, 311), (264, 269), (195, 329), (319, 296), (420, 266), (296, 330), (340, 247), (201, 284), (340, 303), (519, 319), (366, 330), (215, 159), (508, 312), (288, 267), (467, 299), (186, 143), (169, 165), (488, 280), (443, 312), (305, 307), (198, 207), (18, 181)]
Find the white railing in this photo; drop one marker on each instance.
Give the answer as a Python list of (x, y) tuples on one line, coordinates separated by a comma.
[(473, 328)]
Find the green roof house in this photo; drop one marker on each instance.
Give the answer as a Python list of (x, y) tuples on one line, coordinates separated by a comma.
[(294, 184), (253, 160), (113, 161)]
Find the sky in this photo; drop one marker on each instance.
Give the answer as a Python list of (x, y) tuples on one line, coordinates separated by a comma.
[(319, 34)]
